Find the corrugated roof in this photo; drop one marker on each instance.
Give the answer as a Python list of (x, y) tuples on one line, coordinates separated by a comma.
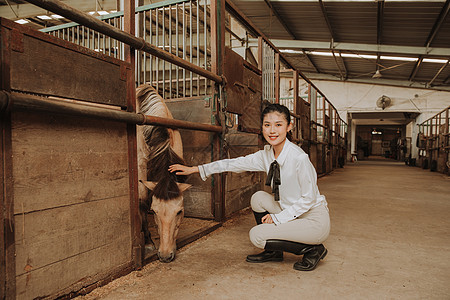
[(367, 24)]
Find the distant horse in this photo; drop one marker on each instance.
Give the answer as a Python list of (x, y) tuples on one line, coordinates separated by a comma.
[(158, 148)]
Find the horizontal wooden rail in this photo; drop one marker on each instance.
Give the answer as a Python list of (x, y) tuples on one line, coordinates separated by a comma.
[(87, 20), (18, 101)]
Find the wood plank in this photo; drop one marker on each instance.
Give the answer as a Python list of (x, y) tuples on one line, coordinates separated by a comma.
[(7, 242), (63, 161), (58, 276), (72, 204), (197, 149), (250, 120), (75, 75), (239, 198), (47, 237)]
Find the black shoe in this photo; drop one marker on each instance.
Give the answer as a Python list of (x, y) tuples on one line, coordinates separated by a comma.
[(265, 256), (311, 258)]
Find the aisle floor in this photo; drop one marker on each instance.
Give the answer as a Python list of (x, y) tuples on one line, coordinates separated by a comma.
[(390, 239)]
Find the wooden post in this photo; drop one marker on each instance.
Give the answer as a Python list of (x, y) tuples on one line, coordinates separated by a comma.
[(260, 53), (277, 77), (137, 240), (446, 138), (7, 223), (217, 67), (297, 105)]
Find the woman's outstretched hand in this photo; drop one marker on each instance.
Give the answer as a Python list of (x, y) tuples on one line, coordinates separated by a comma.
[(182, 170)]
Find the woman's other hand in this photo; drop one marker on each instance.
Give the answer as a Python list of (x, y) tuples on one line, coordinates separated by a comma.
[(267, 219), (182, 170)]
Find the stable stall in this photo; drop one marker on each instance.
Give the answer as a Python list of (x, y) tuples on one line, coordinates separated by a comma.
[(68, 140)]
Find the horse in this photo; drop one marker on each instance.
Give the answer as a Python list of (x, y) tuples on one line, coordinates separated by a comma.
[(158, 148)]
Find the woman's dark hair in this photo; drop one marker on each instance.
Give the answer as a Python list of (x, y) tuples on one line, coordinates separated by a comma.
[(275, 107)]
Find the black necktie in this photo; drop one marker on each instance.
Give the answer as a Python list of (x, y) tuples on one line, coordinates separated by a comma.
[(274, 173)]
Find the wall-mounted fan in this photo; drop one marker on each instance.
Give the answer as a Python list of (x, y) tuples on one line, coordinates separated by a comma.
[(383, 102)]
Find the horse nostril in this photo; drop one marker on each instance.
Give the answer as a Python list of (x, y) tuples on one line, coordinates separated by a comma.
[(166, 259)]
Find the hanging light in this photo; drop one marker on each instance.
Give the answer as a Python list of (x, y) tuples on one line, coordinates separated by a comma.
[(377, 74)]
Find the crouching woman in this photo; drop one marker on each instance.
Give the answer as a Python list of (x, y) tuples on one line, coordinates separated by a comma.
[(294, 218)]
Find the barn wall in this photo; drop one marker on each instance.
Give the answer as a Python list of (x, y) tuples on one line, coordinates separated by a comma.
[(197, 149), (240, 186), (71, 201)]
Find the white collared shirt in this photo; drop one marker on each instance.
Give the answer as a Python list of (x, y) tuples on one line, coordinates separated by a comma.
[(298, 190)]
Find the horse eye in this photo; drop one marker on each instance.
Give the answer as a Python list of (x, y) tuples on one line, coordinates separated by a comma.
[(180, 212)]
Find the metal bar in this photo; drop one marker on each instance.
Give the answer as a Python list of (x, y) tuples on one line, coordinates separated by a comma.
[(137, 241), (151, 42), (327, 20), (438, 23), (26, 102), (198, 47), (205, 31), (380, 16), (438, 73), (68, 12), (144, 63), (184, 48), (337, 64), (157, 44), (191, 88), (164, 48), (109, 41), (280, 19), (177, 52), (170, 50)]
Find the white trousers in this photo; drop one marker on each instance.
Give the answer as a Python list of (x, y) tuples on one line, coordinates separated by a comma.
[(312, 227)]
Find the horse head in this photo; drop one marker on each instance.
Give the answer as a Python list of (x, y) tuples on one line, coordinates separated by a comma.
[(168, 217)]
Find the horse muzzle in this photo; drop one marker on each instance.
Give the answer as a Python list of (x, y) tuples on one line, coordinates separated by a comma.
[(166, 258)]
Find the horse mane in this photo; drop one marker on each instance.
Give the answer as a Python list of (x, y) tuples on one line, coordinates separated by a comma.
[(161, 155)]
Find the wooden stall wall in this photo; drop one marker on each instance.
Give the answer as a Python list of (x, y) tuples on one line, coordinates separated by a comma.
[(197, 149), (241, 186), (71, 201), (67, 205), (434, 143), (243, 95)]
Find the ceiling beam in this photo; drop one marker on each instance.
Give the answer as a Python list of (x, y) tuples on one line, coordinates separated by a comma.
[(416, 68), (282, 22), (343, 65), (333, 37), (379, 81), (355, 47), (380, 15), (337, 64), (311, 62), (437, 25), (325, 16), (27, 10), (438, 73)]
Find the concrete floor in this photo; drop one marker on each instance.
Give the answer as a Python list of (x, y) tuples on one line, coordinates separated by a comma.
[(390, 239)]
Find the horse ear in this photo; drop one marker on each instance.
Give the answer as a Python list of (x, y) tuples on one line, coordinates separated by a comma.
[(149, 184), (183, 186)]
